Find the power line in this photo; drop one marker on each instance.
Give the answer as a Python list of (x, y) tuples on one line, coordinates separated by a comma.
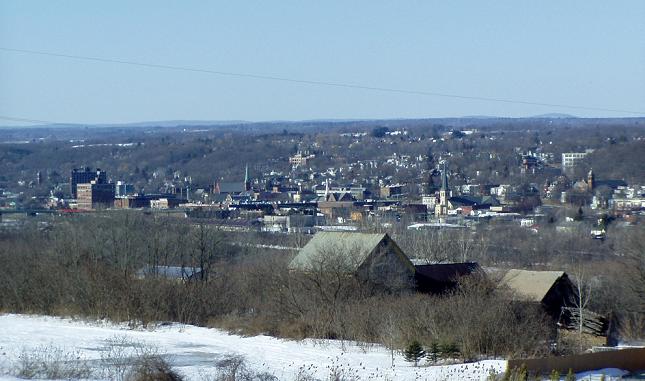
[(316, 83), (25, 120)]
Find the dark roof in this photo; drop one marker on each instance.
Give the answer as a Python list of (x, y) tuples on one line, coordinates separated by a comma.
[(242, 196), (270, 196), (237, 187), (308, 197), (221, 197), (446, 272), (236, 222), (466, 200), (336, 197), (443, 277), (613, 184)]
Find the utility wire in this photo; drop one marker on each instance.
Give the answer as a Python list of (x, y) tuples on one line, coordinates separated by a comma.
[(24, 120), (315, 83)]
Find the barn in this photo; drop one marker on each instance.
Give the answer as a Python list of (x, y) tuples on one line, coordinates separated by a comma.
[(552, 289), (557, 295), (374, 258)]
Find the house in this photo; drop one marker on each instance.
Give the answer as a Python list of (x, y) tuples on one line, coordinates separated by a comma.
[(374, 258), (438, 278), (335, 197), (222, 198), (356, 193), (551, 289), (336, 206), (301, 223), (417, 212), (392, 191), (301, 159), (148, 201), (165, 203)]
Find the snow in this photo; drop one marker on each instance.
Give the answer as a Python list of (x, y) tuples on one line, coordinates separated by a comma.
[(608, 373), (193, 350)]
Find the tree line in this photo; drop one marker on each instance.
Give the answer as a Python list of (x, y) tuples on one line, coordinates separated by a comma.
[(88, 266)]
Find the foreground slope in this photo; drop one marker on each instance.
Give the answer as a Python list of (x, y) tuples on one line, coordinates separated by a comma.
[(193, 351)]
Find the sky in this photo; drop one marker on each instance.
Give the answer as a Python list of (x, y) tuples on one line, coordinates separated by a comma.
[(584, 53)]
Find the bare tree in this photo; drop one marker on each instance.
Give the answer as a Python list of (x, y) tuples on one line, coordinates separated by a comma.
[(389, 333), (464, 244), (584, 292), (205, 252)]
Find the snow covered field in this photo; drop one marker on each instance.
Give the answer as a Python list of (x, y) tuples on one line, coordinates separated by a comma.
[(193, 351)]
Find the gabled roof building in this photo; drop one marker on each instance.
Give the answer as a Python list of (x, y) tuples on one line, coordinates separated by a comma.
[(374, 258), (552, 289)]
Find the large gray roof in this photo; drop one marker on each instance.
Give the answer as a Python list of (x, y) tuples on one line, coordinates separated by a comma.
[(342, 250)]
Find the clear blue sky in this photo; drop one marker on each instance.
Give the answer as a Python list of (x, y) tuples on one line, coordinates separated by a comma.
[(588, 53)]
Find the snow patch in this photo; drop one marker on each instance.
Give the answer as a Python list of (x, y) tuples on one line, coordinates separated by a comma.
[(193, 351)]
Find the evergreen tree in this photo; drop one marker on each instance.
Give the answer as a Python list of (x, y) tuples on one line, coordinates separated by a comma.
[(414, 352), (434, 352), (449, 350)]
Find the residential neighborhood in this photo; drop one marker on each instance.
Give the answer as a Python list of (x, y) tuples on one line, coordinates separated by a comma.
[(387, 189)]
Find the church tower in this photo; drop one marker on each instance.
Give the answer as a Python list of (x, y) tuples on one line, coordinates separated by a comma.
[(247, 181), (441, 209), (591, 179)]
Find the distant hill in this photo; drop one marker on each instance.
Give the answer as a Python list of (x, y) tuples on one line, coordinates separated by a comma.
[(554, 115), (160, 123), (480, 117), (175, 123), (475, 121)]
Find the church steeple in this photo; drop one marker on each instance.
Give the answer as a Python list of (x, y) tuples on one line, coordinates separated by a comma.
[(247, 182), (444, 178), (591, 178), (441, 209)]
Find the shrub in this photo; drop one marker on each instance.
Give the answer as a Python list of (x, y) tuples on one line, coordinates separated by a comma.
[(152, 368), (233, 368), (555, 375), (517, 374), (51, 362)]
